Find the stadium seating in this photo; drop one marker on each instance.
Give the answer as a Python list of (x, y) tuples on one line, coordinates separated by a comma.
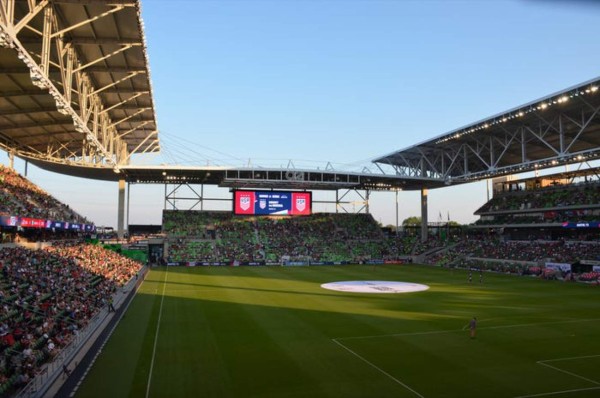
[(554, 204), (533, 251), (221, 237), (46, 297), (20, 197)]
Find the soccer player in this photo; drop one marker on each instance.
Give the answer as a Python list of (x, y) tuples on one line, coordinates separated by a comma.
[(473, 327)]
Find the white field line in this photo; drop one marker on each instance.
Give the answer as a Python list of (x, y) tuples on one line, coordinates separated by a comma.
[(337, 341), (156, 334), (569, 358), (545, 394), (567, 372), (460, 330), (545, 363), (378, 368)]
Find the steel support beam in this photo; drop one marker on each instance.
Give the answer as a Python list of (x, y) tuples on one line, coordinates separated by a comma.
[(121, 210), (424, 229)]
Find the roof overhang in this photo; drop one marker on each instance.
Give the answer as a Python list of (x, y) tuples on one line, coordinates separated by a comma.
[(75, 82), (558, 129)]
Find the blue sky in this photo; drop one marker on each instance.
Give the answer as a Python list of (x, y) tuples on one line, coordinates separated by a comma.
[(263, 82)]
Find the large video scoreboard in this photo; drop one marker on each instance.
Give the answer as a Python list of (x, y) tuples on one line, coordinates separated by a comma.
[(272, 203)]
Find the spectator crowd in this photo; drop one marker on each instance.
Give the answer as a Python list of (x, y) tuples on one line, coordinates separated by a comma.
[(20, 197), (553, 204), (46, 297), (220, 236)]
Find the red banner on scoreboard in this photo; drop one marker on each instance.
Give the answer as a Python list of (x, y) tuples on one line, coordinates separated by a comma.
[(301, 203), (244, 202)]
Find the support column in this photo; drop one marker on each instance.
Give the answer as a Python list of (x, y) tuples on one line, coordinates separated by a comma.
[(121, 210), (396, 211), (424, 230), (11, 160), (367, 201), (128, 195)]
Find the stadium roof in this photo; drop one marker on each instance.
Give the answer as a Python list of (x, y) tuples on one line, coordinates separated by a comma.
[(557, 129), (245, 177), (74, 82), (76, 98)]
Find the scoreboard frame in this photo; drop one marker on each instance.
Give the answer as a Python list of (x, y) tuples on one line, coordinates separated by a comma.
[(267, 203)]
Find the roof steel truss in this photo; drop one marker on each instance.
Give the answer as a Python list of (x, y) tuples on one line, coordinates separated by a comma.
[(537, 140), (57, 67)]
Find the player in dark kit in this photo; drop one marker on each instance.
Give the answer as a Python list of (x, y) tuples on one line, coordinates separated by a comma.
[(473, 327)]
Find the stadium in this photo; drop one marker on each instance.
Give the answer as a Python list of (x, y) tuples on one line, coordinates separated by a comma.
[(280, 281)]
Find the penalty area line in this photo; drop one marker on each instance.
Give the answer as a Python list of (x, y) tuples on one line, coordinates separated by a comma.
[(377, 368), (545, 363), (156, 334), (568, 373)]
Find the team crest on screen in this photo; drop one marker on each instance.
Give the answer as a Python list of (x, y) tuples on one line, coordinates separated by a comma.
[(300, 204), (262, 203), (245, 202)]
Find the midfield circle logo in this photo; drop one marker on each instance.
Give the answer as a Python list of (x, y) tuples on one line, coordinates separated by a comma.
[(375, 287)]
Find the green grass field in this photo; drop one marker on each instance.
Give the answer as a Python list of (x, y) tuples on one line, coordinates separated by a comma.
[(274, 332)]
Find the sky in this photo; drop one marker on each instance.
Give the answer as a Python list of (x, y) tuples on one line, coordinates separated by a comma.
[(261, 83)]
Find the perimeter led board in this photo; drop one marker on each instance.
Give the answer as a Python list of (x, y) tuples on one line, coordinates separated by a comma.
[(272, 203)]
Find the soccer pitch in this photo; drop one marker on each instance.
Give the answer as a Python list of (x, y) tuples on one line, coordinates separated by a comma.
[(274, 332)]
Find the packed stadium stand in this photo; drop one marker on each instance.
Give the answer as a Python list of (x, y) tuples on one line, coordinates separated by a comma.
[(220, 237), (49, 295), (546, 226), (554, 204), (20, 197)]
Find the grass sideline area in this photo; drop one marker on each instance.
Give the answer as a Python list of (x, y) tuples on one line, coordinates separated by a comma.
[(274, 332)]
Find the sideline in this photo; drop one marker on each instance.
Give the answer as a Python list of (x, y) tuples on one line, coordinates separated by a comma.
[(162, 300)]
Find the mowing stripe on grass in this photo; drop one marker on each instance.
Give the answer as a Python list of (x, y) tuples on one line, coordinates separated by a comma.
[(378, 368), (567, 372), (162, 300), (545, 363), (546, 394), (518, 325), (570, 358)]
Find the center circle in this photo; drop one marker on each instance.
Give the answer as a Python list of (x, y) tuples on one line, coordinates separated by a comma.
[(375, 287)]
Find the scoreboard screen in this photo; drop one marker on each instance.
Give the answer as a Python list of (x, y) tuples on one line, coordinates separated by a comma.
[(272, 202)]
